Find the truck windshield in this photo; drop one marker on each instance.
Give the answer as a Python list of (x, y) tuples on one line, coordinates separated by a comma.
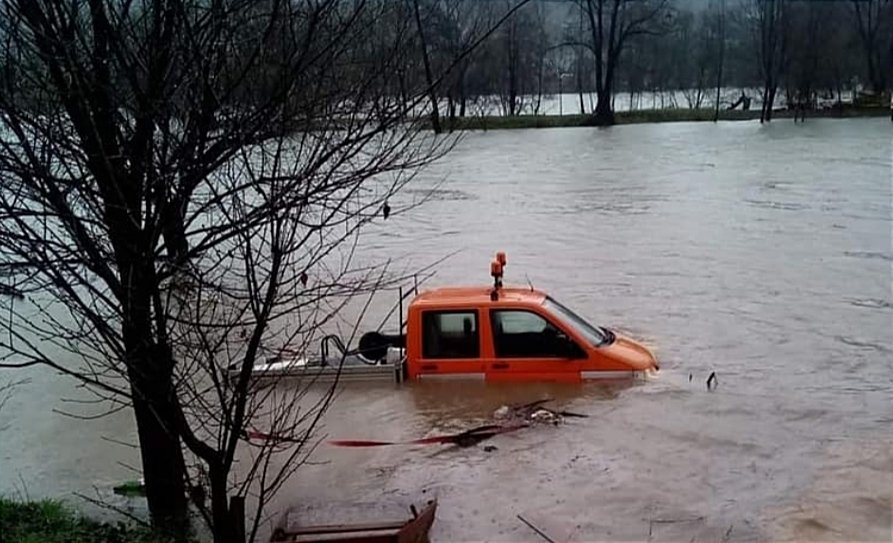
[(597, 336)]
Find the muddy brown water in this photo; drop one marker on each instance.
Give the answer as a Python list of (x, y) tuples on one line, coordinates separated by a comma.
[(762, 253)]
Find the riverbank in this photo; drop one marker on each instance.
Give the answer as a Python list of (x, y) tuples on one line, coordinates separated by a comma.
[(647, 116), (50, 521)]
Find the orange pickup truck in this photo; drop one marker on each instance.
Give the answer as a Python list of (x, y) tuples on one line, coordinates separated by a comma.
[(501, 333), (493, 332)]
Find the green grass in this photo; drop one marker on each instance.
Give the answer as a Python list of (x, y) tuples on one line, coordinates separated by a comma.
[(645, 116), (681, 115), (520, 121), (50, 521)]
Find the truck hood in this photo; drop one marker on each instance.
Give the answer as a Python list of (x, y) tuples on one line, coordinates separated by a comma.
[(631, 353)]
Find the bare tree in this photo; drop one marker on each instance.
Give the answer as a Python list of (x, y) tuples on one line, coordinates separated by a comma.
[(720, 28), (769, 27), (691, 56), (612, 23), (429, 74), (578, 61), (182, 187), (461, 23), (873, 24), (516, 58), (812, 43)]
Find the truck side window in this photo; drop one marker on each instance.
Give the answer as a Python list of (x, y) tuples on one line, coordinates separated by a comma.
[(524, 334), (450, 334)]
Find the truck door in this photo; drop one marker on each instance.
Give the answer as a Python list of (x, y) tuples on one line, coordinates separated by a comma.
[(451, 344), (527, 346)]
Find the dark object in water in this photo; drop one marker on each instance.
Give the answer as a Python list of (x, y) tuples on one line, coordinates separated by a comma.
[(712, 379), (490, 448), (413, 530), (534, 412), (535, 529), (130, 489), (386, 211)]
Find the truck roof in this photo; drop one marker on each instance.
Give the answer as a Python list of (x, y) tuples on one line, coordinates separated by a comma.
[(477, 296)]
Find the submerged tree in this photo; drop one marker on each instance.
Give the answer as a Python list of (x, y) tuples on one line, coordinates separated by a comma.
[(183, 184), (874, 24), (426, 62), (611, 25), (719, 29), (770, 30)]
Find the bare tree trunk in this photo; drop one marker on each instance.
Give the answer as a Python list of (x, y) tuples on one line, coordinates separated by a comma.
[(540, 77), (462, 91), (768, 102), (868, 14), (118, 188), (764, 101), (512, 67), (610, 30), (722, 51), (162, 458), (579, 49), (429, 77), (772, 46)]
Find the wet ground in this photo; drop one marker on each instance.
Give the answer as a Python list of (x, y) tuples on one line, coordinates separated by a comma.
[(762, 253)]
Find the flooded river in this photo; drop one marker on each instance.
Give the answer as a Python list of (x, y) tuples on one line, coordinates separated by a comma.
[(762, 253)]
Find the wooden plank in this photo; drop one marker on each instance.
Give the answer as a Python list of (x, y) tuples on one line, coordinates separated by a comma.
[(414, 530), (417, 530)]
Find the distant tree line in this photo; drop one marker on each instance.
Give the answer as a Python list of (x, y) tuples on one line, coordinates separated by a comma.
[(801, 49), (457, 58)]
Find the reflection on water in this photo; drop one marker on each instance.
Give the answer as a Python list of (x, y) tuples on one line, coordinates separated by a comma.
[(759, 252)]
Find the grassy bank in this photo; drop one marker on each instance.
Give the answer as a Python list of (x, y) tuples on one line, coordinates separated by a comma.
[(647, 116), (50, 521)]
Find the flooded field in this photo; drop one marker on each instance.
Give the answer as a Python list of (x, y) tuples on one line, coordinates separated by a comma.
[(762, 253)]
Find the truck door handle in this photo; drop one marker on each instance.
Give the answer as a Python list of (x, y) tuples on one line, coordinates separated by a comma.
[(500, 366), (429, 367)]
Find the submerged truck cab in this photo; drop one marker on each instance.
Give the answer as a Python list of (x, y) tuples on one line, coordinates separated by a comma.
[(512, 334)]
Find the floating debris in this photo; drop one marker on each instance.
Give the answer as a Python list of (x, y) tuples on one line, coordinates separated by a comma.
[(712, 381), (131, 488), (533, 527), (415, 528), (533, 413), (511, 418)]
